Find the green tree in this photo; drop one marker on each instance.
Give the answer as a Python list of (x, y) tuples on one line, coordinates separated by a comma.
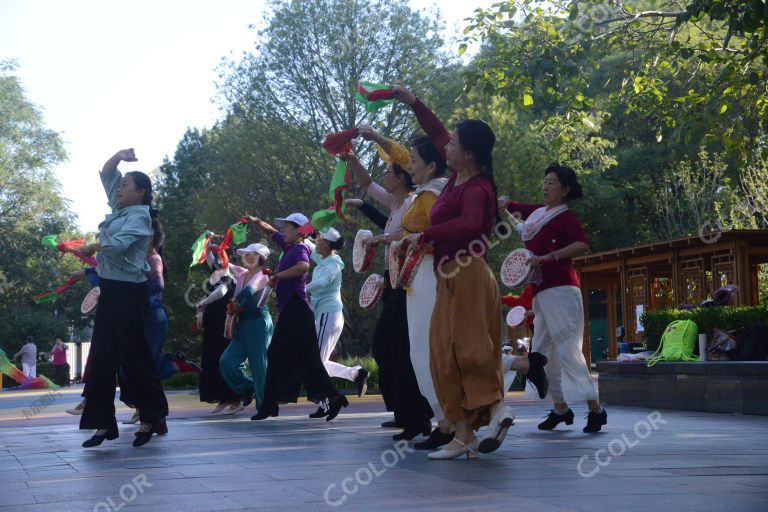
[(31, 206)]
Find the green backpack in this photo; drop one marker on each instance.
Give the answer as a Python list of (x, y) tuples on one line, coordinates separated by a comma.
[(677, 343)]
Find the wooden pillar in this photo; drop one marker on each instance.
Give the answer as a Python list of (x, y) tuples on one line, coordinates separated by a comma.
[(677, 285)]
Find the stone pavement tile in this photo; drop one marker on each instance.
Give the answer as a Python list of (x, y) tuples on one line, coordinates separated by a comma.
[(11, 498), (663, 502)]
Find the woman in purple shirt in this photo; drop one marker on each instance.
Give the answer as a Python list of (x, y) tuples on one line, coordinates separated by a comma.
[(293, 357)]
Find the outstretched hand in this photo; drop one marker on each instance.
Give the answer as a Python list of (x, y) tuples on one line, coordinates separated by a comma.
[(404, 95), (354, 203), (367, 132)]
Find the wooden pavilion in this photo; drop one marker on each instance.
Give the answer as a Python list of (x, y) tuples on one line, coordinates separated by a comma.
[(620, 284)]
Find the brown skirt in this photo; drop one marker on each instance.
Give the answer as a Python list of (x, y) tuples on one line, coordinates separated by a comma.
[(465, 342)]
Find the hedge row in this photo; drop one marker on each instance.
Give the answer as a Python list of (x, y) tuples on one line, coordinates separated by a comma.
[(707, 319)]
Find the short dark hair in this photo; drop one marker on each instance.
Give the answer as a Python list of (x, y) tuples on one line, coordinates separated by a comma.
[(429, 153), (338, 244), (58, 337), (400, 173), (567, 178)]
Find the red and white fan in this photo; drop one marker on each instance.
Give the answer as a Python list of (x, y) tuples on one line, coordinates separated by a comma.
[(413, 256), (362, 258), (516, 316), (395, 261), (515, 271), (371, 291), (90, 301)]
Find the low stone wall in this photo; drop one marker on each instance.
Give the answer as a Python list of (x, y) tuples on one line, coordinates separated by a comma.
[(722, 386)]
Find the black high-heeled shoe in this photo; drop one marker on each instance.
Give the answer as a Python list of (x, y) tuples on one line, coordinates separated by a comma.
[(266, 411), (334, 406), (142, 438), (423, 427), (96, 439)]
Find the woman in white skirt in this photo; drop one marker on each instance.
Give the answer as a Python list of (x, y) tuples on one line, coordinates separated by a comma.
[(325, 295), (554, 235)]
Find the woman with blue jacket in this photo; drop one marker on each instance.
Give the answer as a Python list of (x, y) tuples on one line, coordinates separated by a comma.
[(325, 295)]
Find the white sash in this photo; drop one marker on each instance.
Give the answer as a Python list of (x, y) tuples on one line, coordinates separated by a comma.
[(538, 219)]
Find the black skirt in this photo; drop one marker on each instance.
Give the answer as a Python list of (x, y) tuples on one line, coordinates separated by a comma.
[(293, 358)]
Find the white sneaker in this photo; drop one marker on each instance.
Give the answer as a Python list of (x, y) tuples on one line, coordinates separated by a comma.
[(234, 409), (134, 419), (220, 407), (78, 410)]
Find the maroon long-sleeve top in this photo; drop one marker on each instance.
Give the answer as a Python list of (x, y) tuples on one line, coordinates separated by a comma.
[(462, 220)]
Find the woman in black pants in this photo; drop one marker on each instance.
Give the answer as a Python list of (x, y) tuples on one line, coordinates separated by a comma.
[(118, 335)]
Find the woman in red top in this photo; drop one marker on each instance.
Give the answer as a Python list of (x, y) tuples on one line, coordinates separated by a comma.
[(465, 332), (554, 235)]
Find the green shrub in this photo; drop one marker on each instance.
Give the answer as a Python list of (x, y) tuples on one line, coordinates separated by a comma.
[(182, 380), (707, 319)]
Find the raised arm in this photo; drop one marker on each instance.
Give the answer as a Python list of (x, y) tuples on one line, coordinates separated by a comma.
[(110, 166), (361, 175), (427, 119), (369, 211)]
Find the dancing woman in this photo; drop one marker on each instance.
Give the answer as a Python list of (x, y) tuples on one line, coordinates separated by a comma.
[(118, 338), (219, 289), (554, 235), (465, 331), (253, 332), (427, 168), (391, 345), (325, 294), (294, 354)]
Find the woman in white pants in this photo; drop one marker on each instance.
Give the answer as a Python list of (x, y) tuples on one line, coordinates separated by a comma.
[(554, 235), (325, 294)]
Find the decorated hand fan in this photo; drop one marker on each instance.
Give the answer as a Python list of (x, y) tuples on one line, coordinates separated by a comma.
[(395, 263), (362, 258), (413, 256), (90, 301), (371, 291), (515, 316), (516, 270)]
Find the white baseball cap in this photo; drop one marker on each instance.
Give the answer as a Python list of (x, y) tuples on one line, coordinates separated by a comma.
[(331, 234), (257, 248), (297, 218)]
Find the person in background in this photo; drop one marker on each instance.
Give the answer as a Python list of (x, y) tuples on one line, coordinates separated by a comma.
[(60, 366), (28, 355)]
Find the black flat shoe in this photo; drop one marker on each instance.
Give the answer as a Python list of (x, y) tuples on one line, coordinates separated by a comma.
[(266, 412), (247, 398), (391, 424), (595, 421), (143, 438), (334, 406), (96, 439), (361, 381), (319, 413), (423, 427), (435, 440), (554, 420), (536, 374)]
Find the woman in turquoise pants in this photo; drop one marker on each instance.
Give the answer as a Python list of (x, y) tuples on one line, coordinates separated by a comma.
[(254, 330)]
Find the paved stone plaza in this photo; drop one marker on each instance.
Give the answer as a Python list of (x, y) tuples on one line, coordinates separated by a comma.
[(650, 461)]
